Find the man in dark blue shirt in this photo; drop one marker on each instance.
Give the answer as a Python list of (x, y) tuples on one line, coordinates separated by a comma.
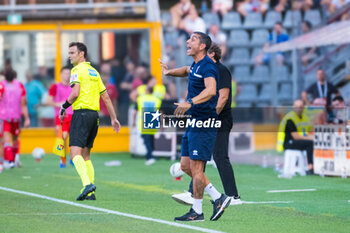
[(198, 143), (223, 108)]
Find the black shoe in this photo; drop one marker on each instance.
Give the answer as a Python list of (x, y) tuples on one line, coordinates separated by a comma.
[(310, 172), (219, 206), (91, 197), (191, 216), (88, 189)]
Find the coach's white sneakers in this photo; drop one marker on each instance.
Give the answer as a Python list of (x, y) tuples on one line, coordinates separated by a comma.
[(184, 198), (150, 162), (236, 201)]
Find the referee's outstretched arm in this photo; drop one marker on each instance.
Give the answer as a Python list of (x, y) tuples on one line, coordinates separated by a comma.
[(115, 123)]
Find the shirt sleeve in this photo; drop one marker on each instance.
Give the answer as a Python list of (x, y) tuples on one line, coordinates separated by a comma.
[(101, 86), (53, 90), (290, 127), (211, 72), (74, 78), (225, 79), (2, 90), (23, 90)]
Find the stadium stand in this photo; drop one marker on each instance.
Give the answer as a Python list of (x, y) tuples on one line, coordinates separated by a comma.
[(247, 36)]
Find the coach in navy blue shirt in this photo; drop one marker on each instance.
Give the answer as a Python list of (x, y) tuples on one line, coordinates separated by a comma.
[(198, 143)]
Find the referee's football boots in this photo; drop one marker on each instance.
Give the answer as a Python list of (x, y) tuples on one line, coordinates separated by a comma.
[(191, 216), (91, 197), (87, 189), (219, 206)]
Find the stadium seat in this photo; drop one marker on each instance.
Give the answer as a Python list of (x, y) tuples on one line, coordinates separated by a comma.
[(166, 19), (309, 79), (255, 53), (265, 93), (285, 92), (271, 18), (248, 93), (292, 18), (211, 18), (261, 73), (239, 56), (241, 73), (171, 38), (282, 73), (238, 38), (231, 20), (313, 16), (253, 20), (259, 37)]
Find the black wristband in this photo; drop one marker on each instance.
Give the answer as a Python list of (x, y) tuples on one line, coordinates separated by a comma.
[(189, 100), (66, 105)]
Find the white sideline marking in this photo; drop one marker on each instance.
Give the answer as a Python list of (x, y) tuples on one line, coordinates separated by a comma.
[(38, 214), (291, 190), (111, 211), (267, 202)]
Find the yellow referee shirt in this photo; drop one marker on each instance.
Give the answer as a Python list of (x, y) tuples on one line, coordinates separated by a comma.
[(91, 86)]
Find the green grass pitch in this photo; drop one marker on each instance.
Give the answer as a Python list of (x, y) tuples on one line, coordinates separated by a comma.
[(146, 191)]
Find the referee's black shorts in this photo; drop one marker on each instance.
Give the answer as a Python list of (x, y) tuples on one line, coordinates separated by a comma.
[(222, 137), (83, 128)]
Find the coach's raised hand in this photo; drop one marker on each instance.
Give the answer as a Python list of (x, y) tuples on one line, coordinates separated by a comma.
[(165, 69)]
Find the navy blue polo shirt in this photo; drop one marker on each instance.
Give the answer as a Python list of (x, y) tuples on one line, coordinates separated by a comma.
[(198, 72)]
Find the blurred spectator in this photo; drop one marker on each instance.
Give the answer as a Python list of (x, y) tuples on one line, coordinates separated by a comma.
[(282, 6), (321, 91), (141, 77), (8, 64), (218, 37), (277, 36), (303, 5), (105, 72), (43, 76), (253, 6), (192, 23), (35, 91), (338, 114), (221, 6), (124, 92), (106, 69), (180, 10), (333, 6), (117, 72), (308, 54)]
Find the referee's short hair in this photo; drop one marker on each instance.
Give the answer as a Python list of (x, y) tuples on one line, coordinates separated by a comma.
[(204, 39), (81, 47), (214, 48)]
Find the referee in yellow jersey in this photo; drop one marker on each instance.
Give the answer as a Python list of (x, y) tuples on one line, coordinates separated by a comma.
[(87, 88)]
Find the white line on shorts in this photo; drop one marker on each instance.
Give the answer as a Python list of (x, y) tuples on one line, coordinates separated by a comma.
[(291, 190), (111, 211), (267, 202)]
